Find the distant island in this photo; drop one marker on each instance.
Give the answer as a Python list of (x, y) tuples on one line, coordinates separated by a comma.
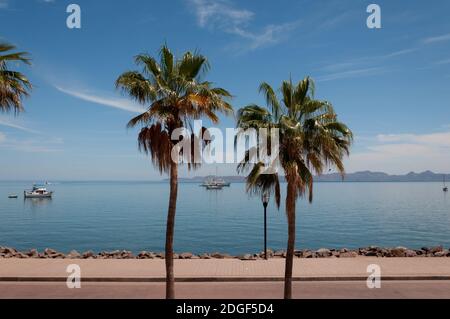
[(364, 176)]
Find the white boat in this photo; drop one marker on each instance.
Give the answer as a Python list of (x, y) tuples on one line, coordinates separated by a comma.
[(38, 191), (207, 182), (221, 181), (215, 181)]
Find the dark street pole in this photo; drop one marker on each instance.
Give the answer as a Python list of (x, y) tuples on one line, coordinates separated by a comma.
[(265, 230), (265, 200)]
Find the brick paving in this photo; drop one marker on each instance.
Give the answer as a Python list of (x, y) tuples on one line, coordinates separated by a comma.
[(225, 269)]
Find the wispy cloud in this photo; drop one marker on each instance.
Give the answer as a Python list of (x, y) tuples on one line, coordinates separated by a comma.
[(351, 74), (270, 35), (439, 38), (103, 99), (397, 53), (365, 65), (31, 145), (3, 4), (219, 14), (361, 66), (13, 123), (441, 62), (222, 15)]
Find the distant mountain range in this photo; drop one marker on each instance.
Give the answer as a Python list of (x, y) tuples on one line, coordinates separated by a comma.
[(364, 176)]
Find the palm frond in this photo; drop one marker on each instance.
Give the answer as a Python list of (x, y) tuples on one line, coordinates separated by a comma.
[(271, 98), (14, 86), (151, 66), (136, 86)]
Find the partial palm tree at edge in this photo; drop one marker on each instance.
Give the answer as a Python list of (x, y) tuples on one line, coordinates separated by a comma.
[(13, 84)]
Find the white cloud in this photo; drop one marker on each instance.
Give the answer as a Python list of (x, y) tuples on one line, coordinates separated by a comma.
[(434, 139), (222, 15), (219, 14), (13, 123), (439, 38), (402, 153), (111, 101), (270, 35)]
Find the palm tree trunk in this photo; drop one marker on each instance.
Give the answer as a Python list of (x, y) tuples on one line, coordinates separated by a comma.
[(290, 209), (170, 279)]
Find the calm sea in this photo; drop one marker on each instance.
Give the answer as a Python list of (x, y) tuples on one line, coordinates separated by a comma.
[(131, 215)]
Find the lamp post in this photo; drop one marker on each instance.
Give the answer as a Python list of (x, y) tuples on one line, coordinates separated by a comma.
[(265, 200)]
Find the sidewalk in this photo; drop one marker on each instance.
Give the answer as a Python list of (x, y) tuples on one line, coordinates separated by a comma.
[(203, 270)]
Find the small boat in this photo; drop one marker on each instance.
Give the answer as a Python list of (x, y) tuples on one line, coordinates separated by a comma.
[(214, 182), (445, 188), (38, 191), (13, 196), (222, 182), (207, 182)]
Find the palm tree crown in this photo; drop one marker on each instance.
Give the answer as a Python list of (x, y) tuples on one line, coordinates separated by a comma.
[(176, 96), (311, 137), (13, 84)]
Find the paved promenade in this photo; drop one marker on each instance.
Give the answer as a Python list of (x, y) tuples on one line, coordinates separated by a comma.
[(229, 290), (133, 270), (226, 278)]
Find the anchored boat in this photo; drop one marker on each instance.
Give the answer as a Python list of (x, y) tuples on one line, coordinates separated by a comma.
[(38, 191), (215, 183)]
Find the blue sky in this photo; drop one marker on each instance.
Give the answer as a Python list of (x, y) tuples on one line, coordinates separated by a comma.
[(390, 85)]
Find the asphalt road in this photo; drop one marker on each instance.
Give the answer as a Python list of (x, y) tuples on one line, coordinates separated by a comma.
[(235, 290)]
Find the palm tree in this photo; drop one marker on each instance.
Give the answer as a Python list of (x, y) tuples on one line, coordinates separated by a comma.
[(310, 140), (175, 96), (13, 84)]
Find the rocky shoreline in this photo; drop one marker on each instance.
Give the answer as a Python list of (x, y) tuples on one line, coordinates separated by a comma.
[(372, 251)]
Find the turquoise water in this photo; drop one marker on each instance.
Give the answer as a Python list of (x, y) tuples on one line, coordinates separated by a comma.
[(131, 215)]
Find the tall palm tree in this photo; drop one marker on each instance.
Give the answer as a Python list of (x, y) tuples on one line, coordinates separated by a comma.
[(175, 96), (311, 139), (13, 84)]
